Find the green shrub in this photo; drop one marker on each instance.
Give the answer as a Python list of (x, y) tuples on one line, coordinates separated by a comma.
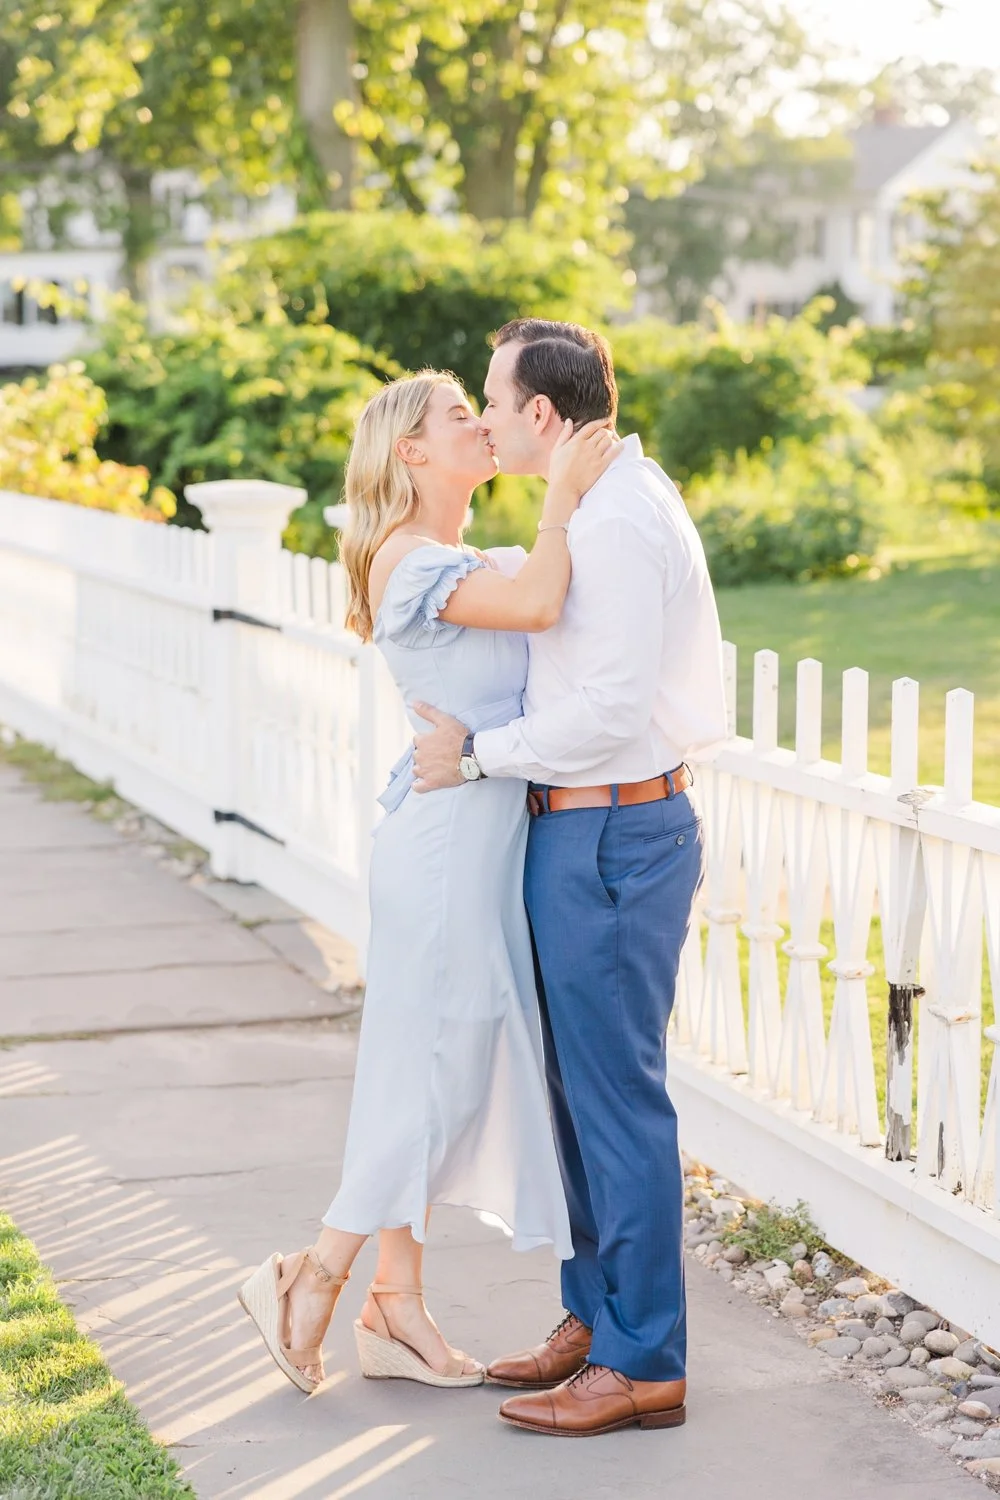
[(217, 399), (423, 291), (698, 396), (49, 427), (894, 350), (932, 460), (795, 512)]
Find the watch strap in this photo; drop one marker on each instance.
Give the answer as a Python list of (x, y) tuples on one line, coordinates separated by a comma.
[(469, 750)]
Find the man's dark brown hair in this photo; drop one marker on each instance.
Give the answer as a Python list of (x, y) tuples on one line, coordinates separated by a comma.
[(569, 364)]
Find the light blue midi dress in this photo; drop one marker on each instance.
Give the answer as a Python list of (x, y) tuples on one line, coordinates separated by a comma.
[(449, 1101)]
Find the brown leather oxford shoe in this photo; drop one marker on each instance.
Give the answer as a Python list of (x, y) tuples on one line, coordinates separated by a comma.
[(598, 1400), (562, 1355)]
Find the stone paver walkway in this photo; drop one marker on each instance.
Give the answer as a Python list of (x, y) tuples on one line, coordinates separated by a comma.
[(183, 1114)]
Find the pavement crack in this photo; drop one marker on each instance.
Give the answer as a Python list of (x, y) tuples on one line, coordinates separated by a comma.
[(190, 1176), (24, 1039), (175, 1088), (102, 973), (212, 919)]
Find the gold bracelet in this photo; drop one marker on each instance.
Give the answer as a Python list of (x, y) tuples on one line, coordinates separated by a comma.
[(554, 526)]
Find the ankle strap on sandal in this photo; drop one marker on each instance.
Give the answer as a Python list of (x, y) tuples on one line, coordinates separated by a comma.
[(321, 1271), (400, 1291)]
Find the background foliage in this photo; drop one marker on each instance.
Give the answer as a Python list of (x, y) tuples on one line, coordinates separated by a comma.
[(422, 291), (787, 478), (48, 430), (458, 164), (215, 398), (954, 295), (700, 394)]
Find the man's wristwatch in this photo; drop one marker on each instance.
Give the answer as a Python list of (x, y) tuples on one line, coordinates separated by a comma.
[(468, 764)]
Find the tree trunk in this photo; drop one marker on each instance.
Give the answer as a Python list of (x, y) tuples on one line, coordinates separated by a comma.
[(539, 168), (325, 48), (139, 235), (489, 187)]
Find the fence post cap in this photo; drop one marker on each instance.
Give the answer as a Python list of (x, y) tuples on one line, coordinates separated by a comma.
[(231, 504), (335, 516)]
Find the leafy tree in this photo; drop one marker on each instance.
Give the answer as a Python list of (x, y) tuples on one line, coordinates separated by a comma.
[(104, 93), (553, 110), (734, 210), (699, 396), (546, 110), (217, 399), (682, 245), (49, 429), (422, 291), (923, 93), (954, 291)]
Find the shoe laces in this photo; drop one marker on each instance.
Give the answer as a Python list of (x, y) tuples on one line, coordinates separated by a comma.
[(586, 1373), (567, 1320)]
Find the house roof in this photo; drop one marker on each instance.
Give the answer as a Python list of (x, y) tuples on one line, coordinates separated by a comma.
[(883, 150)]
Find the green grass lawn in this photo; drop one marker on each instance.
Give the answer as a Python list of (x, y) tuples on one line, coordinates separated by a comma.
[(937, 620), (67, 1431)]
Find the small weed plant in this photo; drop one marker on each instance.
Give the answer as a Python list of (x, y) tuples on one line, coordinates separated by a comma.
[(769, 1232)]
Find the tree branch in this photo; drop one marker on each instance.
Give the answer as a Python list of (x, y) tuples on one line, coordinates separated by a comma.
[(390, 159)]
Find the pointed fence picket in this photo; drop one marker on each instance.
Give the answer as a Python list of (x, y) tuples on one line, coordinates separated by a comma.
[(841, 925), (902, 883)]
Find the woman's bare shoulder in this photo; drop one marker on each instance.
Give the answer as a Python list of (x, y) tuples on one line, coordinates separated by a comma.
[(386, 559)]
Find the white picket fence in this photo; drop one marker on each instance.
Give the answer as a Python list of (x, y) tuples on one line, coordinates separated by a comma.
[(209, 677)]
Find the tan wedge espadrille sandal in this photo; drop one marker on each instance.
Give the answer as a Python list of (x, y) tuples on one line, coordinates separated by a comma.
[(261, 1298), (386, 1358)]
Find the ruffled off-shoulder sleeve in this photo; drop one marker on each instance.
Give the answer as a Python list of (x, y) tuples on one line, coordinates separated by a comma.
[(418, 590)]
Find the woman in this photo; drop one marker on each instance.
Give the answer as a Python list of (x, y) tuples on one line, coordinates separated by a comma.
[(449, 1102)]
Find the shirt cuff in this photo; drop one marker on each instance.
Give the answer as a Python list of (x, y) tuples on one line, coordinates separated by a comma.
[(495, 750)]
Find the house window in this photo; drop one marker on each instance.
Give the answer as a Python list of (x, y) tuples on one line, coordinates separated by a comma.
[(13, 305), (787, 310), (863, 236), (175, 201), (18, 308), (906, 227), (814, 237)]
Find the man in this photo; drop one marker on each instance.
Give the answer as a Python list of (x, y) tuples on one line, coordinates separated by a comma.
[(620, 693)]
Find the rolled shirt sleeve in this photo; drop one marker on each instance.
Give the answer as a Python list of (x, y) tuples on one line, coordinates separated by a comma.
[(618, 641)]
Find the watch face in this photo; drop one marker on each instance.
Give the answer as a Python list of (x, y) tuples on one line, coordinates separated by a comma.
[(469, 768)]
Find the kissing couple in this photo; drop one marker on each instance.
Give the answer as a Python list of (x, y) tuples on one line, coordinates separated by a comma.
[(531, 886)]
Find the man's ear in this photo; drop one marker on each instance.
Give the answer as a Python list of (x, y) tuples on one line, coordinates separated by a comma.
[(409, 451), (543, 414)]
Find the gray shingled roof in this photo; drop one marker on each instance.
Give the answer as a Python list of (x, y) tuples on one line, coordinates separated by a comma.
[(880, 151)]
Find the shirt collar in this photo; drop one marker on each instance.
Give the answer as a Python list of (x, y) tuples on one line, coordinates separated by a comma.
[(630, 452)]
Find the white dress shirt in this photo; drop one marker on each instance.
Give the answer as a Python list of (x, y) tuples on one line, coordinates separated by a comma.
[(629, 682)]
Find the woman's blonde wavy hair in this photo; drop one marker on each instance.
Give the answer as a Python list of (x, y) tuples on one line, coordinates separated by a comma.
[(379, 489)]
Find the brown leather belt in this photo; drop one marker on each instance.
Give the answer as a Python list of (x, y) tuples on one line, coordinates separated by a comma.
[(630, 793)]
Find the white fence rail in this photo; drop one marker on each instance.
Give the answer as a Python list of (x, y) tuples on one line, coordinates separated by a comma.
[(210, 679)]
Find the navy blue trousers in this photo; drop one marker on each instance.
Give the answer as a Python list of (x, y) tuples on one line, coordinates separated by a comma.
[(609, 893)]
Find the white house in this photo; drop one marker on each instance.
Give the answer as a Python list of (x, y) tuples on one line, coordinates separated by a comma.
[(91, 265), (856, 239)]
